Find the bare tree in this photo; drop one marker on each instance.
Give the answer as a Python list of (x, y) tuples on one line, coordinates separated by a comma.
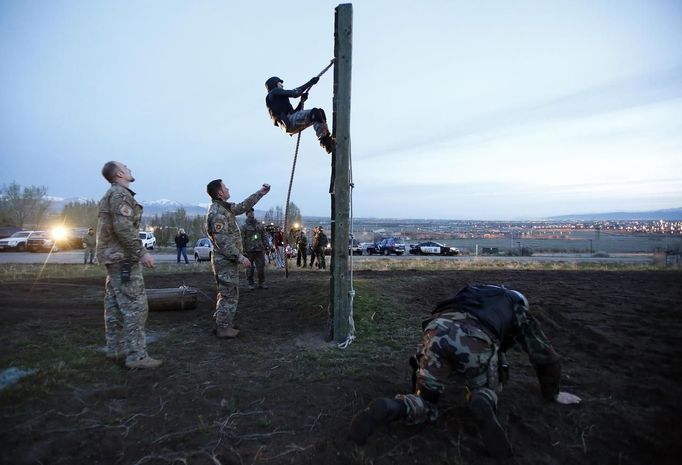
[(80, 213), (27, 206)]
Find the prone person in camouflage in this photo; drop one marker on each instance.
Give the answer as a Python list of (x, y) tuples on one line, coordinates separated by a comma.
[(227, 251), (119, 249), (468, 336), (255, 245)]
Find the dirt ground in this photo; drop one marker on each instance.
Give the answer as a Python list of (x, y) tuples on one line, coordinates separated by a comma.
[(280, 394)]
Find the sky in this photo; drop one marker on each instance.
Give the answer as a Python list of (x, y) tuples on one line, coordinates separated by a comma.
[(459, 110)]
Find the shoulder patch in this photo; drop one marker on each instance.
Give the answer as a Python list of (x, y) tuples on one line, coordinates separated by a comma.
[(218, 227), (125, 209)]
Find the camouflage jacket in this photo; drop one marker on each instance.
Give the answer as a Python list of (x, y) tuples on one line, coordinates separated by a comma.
[(118, 226), (302, 241), (320, 240), (507, 321), (90, 240), (223, 229), (253, 236)]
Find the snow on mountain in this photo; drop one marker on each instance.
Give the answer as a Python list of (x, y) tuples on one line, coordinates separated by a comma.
[(161, 203)]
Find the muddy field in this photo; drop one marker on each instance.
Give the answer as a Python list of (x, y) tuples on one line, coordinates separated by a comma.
[(280, 394)]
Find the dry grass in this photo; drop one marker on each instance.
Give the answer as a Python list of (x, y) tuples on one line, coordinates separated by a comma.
[(16, 272), (21, 272), (387, 264)]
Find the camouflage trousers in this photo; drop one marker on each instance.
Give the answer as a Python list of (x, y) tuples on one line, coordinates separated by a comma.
[(257, 259), (227, 280), (455, 347), (125, 312), (318, 252), (89, 254), (300, 120)]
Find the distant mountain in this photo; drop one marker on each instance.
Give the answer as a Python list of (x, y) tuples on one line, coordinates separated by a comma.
[(157, 207), (151, 207), (670, 214)]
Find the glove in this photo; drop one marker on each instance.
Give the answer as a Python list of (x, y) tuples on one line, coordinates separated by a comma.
[(315, 80)]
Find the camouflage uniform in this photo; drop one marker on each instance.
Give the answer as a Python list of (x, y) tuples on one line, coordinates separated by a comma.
[(227, 246), (90, 242), (319, 244), (255, 245), (125, 304), (301, 249), (461, 340)]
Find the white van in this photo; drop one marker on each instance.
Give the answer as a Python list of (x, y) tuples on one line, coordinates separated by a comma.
[(148, 240)]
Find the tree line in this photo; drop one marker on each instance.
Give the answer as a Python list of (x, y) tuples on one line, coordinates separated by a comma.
[(28, 207)]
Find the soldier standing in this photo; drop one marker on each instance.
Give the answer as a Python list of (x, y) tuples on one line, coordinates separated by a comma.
[(119, 249), (468, 336), (255, 245), (89, 243), (319, 244), (301, 248), (228, 252)]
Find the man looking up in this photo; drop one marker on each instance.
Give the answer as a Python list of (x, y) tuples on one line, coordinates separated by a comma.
[(227, 251), (119, 249)]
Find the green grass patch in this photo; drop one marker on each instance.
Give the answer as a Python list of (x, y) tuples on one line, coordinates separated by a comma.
[(62, 358), (383, 326)]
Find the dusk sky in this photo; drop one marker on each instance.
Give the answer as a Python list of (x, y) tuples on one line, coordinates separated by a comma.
[(460, 110)]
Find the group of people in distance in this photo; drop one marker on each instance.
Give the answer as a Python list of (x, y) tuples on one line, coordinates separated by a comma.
[(467, 335)]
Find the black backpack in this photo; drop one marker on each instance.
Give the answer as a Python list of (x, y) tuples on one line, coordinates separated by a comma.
[(492, 305)]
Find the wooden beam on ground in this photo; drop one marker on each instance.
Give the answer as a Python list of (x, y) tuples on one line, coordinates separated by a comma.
[(339, 298)]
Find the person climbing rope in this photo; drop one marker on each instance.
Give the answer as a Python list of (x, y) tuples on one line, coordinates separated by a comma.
[(294, 120)]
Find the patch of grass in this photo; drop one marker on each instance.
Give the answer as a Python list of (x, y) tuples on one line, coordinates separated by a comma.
[(61, 358), (487, 263), (22, 272), (384, 325)]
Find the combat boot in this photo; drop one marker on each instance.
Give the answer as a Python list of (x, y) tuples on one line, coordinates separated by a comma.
[(118, 358), (327, 143), (492, 432), (379, 412), (146, 362), (226, 332)]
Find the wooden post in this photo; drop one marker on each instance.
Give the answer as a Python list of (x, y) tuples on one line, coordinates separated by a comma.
[(339, 298)]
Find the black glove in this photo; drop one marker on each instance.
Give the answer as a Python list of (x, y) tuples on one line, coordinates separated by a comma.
[(314, 80)]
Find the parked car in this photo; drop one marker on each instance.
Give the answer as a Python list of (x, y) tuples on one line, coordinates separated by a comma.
[(148, 240), (368, 248), (56, 240), (41, 241), (433, 248), (354, 247), (203, 249), (389, 245), (17, 241)]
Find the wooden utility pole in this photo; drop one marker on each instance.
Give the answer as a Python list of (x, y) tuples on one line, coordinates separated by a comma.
[(339, 297)]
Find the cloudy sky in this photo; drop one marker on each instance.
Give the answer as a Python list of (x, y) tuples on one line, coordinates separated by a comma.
[(463, 110)]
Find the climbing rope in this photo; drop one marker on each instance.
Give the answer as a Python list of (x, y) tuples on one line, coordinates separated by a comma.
[(291, 182), (351, 293), (286, 210)]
